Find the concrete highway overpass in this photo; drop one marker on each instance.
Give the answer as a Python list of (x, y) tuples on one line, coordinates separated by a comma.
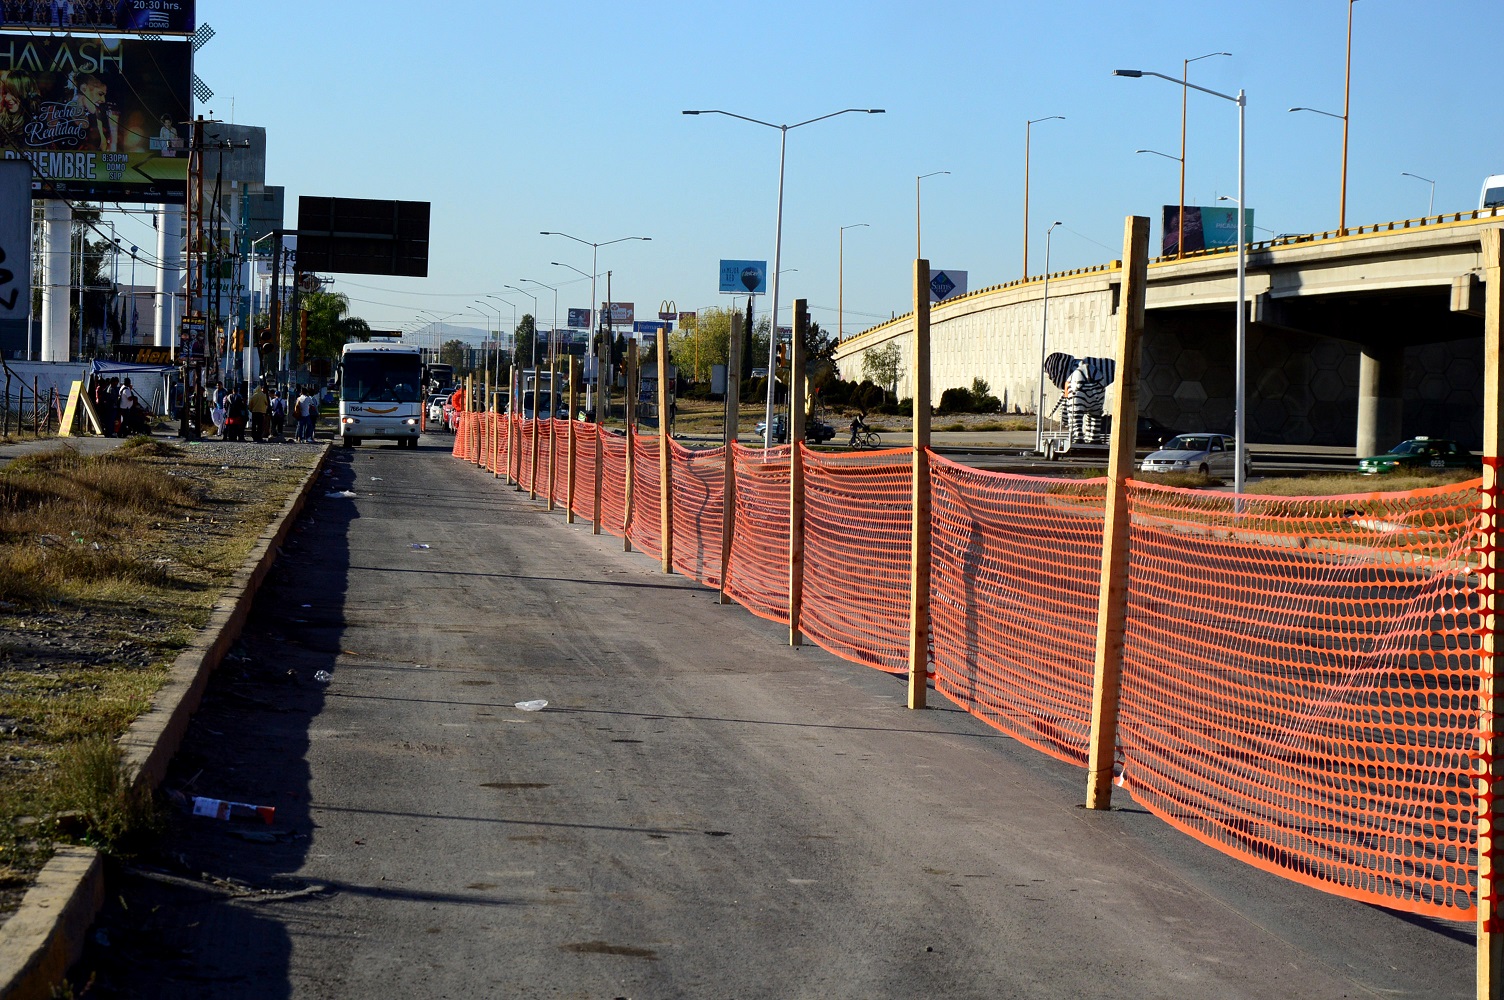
[(1360, 339)]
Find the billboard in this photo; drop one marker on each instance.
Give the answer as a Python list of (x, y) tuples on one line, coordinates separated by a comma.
[(157, 17), (579, 318), (946, 284), (744, 276), (363, 236), (99, 118), (619, 313), (1206, 228)]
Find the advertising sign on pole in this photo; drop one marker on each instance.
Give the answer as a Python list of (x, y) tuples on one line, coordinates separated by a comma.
[(1206, 228), (363, 236), (668, 310), (191, 340), (99, 119), (744, 276), (579, 318), (619, 313), (946, 284), (686, 317), (15, 250)]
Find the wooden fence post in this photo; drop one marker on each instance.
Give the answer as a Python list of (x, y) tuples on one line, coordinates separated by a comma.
[(732, 428), (574, 401), (796, 470), (629, 413), (1490, 750), (665, 466), (602, 399), (1112, 603), (514, 430), (919, 549), (553, 430)]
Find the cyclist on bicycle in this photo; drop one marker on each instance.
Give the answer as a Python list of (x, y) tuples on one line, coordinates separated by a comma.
[(858, 428)]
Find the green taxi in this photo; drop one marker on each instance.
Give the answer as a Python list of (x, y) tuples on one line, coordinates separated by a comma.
[(1419, 453)]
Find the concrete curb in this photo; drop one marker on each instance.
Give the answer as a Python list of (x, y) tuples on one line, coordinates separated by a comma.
[(46, 936)]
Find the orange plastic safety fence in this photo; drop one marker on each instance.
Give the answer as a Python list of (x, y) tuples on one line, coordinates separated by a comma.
[(758, 577), (525, 453), (559, 483), (698, 479), (1301, 682), (647, 514), (545, 458), (1015, 570), (584, 471), (464, 445), (858, 533), (613, 483)]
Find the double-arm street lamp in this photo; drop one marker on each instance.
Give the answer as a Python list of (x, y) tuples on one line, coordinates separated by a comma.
[(551, 288), (1240, 401), (594, 255), (778, 234)]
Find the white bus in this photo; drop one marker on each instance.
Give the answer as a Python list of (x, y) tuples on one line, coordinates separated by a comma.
[(381, 394)]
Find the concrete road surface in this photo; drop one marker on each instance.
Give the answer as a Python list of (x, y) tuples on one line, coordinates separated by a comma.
[(701, 811)]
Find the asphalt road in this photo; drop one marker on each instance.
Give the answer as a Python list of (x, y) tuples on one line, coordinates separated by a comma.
[(701, 811)]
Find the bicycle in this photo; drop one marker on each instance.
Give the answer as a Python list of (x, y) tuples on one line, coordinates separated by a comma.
[(868, 438)]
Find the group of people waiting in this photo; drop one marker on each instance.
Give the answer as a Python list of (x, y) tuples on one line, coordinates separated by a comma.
[(122, 411), (264, 413)]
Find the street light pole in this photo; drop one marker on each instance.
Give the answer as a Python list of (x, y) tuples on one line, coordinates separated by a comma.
[(1028, 125), (841, 280), (1430, 204), (778, 239), (594, 305), (917, 252), (1240, 389), (1044, 332), (1185, 70), (1347, 93)]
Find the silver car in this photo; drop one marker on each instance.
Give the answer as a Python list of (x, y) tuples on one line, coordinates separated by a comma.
[(1208, 454)]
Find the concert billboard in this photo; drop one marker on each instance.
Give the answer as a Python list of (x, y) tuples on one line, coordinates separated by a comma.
[(157, 17), (100, 119)]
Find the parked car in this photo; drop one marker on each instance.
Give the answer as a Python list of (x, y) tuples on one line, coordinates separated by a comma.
[(816, 431), (1208, 454), (1150, 431), (436, 409), (1420, 453)]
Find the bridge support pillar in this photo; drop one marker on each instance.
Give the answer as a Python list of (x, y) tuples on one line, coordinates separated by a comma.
[(1381, 388)]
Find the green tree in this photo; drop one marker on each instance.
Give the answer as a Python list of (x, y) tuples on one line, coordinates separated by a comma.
[(525, 342), (703, 342), (453, 353), (329, 326), (884, 365)]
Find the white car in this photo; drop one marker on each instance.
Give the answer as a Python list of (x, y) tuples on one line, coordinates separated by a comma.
[(436, 410), (1208, 454)]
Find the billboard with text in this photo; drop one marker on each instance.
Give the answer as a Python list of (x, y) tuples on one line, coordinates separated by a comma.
[(579, 318), (157, 17), (744, 277), (1206, 228), (99, 119)]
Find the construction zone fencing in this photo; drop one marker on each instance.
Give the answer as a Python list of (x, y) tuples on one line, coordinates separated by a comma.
[(1301, 677)]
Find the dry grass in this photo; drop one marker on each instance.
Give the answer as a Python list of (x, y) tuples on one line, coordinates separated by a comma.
[(109, 565), (1346, 483)]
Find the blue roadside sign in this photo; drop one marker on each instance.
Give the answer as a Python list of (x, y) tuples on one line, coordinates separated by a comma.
[(744, 276)]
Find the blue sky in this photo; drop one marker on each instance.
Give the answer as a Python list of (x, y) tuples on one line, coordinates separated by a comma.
[(515, 118)]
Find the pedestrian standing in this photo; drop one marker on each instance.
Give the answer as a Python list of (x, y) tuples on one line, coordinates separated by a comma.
[(304, 408), (278, 411), (260, 406)]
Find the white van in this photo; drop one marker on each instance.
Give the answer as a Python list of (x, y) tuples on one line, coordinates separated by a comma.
[(1493, 192)]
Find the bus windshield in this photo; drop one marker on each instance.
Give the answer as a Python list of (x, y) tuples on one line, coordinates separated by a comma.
[(382, 378)]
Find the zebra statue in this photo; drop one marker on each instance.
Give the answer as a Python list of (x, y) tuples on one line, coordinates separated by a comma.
[(1083, 383)]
